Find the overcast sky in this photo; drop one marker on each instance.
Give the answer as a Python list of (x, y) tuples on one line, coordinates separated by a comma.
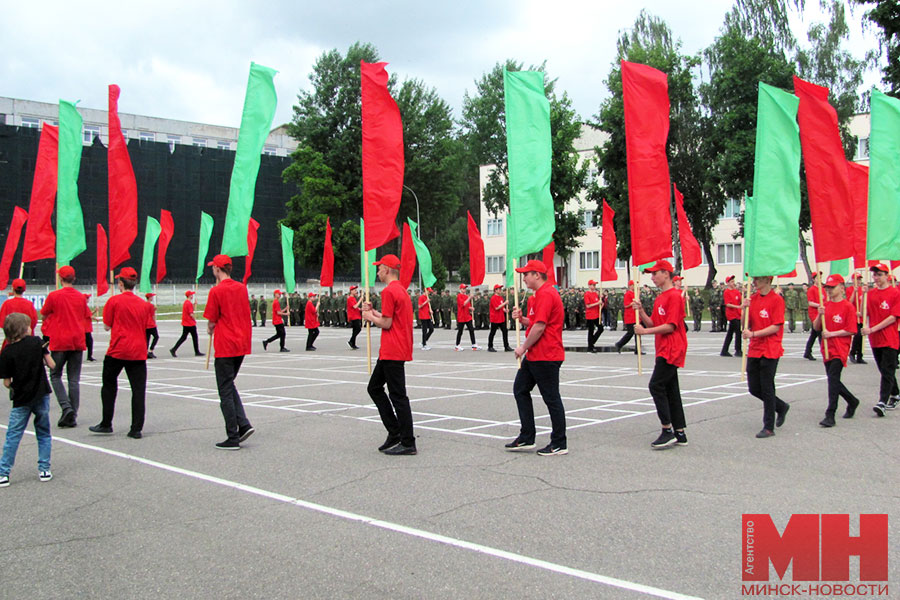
[(190, 60)]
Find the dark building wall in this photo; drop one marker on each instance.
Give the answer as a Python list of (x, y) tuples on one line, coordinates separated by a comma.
[(185, 182)]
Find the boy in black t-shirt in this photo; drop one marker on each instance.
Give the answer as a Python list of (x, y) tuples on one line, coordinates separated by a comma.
[(22, 370)]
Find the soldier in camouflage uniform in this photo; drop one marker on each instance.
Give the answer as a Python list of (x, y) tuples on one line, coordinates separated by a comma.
[(263, 306), (447, 305), (254, 304), (614, 306), (715, 307), (803, 302), (697, 305), (296, 319), (791, 306)]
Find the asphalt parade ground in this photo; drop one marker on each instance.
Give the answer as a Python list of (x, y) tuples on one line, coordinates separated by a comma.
[(308, 508)]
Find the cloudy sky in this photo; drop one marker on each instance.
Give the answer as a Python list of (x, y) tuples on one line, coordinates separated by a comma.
[(189, 59)]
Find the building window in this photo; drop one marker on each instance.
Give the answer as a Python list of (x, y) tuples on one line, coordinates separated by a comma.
[(862, 148), (589, 261), (173, 139), (88, 133), (199, 142), (495, 264), (269, 150), (494, 227), (589, 219), (147, 136), (621, 264), (729, 254), (732, 208), (31, 122), (223, 145)]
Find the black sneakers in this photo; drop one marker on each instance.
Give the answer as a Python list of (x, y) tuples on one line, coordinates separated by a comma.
[(765, 433), (879, 409), (135, 435), (284, 350), (228, 445), (401, 450), (245, 432), (680, 438), (519, 445), (781, 416), (265, 345), (551, 450), (892, 402), (100, 429), (828, 421), (172, 352), (666, 438), (851, 409), (389, 442)]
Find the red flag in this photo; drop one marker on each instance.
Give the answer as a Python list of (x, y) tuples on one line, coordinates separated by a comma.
[(547, 259), (691, 255), (608, 268), (251, 247), (382, 156), (167, 229), (827, 178), (326, 279), (123, 221), (645, 95), (407, 257), (12, 243), (791, 274), (40, 241), (859, 207), (102, 261), (476, 253)]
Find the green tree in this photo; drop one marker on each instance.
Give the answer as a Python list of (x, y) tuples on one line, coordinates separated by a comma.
[(885, 14)]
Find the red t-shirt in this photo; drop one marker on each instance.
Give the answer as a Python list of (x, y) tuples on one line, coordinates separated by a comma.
[(66, 309), (762, 312), (129, 318), (463, 311), (669, 308), (396, 342), (839, 316), (276, 318), (730, 296), (18, 305), (546, 307), (152, 322), (310, 315), (882, 304), (629, 315), (495, 313), (353, 313), (812, 295), (424, 309), (591, 312), (228, 306), (187, 314)]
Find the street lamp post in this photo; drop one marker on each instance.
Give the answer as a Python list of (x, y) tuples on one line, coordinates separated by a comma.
[(418, 220)]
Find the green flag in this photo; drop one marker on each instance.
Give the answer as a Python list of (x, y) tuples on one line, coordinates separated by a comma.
[(151, 235), (774, 232), (70, 240), (748, 237), (883, 236), (422, 255), (840, 267), (287, 259), (206, 229), (511, 258), (366, 258), (529, 153), (256, 121)]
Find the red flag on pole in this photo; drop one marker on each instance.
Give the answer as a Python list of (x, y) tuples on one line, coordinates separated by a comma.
[(382, 156), (102, 261), (547, 259), (252, 235), (608, 268), (326, 279), (12, 242), (407, 257), (40, 241), (476, 253), (827, 178), (167, 230), (859, 207), (691, 255), (645, 95), (123, 221)]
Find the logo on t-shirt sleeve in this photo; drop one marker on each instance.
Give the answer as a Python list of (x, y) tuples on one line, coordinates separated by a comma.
[(661, 311)]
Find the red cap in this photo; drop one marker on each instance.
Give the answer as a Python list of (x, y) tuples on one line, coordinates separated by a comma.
[(149, 295), (127, 273), (18, 284), (311, 294), (388, 260), (429, 290), (463, 286), (220, 260), (661, 265), (66, 272), (880, 267), (498, 287), (533, 265), (189, 293), (729, 279), (630, 283), (592, 282), (833, 280), (680, 278), (354, 287), (277, 292)]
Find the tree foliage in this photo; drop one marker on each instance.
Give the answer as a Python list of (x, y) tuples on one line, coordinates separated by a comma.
[(885, 15)]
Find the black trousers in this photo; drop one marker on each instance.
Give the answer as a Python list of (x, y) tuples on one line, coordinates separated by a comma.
[(185, 330), (229, 399), (280, 335), (886, 359), (459, 329), (595, 328), (356, 324), (502, 327), (856, 344), (666, 394), (734, 331), (393, 407), (152, 333), (89, 342), (836, 388), (262, 317), (427, 330), (311, 335), (629, 333), (813, 336), (761, 383), (544, 374), (136, 370)]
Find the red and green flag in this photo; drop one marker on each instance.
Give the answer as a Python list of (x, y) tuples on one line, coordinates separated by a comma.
[(70, 240), (407, 257), (252, 236), (367, 257), (206, 229), (423, 256), (287, 258), (883, 237), (859, 200), (151, 235)]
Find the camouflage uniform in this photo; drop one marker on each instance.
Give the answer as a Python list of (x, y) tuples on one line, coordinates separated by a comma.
[(803, 302), (263, 306), (697, 306), (791, 306), (447, 305), (254, 304), (715, 307)]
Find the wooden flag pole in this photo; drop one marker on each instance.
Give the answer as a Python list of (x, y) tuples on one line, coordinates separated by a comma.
[(209, 350), (745, 318), (518, 324), (865, 306), (861, 303), (21, 269), (368, 325), (637, 321), (822, 306), (687, 304)]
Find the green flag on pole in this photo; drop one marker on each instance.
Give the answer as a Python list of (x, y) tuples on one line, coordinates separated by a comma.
[(206, 229), (511, 259), (883, 236), (151, 235), (256, 122), (774, 230), (840, 267), (748, 237), (70, 240), (366, 258), (287, 258), (529, 153), (423, 256)]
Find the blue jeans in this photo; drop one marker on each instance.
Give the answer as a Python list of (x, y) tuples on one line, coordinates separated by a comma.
[(18, 420)]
